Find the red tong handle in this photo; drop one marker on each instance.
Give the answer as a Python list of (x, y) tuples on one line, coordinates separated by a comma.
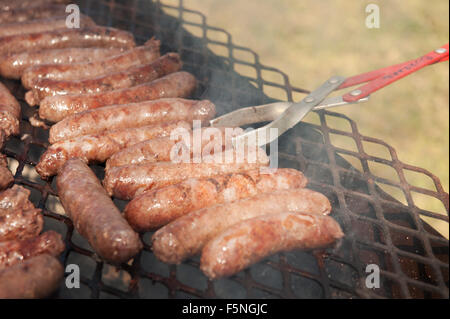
[(382, 77)]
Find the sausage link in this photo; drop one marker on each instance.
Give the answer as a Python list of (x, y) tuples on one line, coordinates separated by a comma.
[(167, 64), (66, 38), (160, 149), (94, 214), (42, 25), (19, 219), (78, 71), (32, 13), (152, 210), (185, 236), (99, 120), (8, 5), (9, 112), (35, 278), (98, 148), (252, 240), (6, 177), (128, 181), (56, 108), (15, 251), (13, 66)]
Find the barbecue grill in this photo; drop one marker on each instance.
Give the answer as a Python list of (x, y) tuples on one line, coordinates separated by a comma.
[(380, 228)]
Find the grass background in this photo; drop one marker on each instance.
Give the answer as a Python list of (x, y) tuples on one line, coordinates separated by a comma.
[(311, 40)]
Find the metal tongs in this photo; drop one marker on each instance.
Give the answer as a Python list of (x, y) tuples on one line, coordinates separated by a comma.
[(285, 115)]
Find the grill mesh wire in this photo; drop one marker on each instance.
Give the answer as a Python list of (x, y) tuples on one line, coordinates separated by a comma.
[(380, 229)]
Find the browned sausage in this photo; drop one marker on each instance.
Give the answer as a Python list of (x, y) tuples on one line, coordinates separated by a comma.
[(56, 108), (185, 236), (96, 121), (14, 65), (6, 177), (32, 13), (94, 214), (7, 5), (35, 278), (160, 149), (41, 25), (98, 148), (19, 219), (9, 112), (78, 71), (66, 38), (167, 64), (152, 210), (128, 181), (252, 240), (15, 251)]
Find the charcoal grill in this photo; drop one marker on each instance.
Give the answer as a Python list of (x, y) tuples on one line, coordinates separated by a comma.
[(380, 227)]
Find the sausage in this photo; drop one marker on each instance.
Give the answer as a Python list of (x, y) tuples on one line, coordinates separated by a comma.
[(32, 13), (185, 236), (6, 177), (167, 64), (94, 214), (98, 148), (160, 149), (9, 112), (35, 278), (96, 121), (128, 181), (252, 240), (14, 65), (56, 108), (78, 71), (66, 38), (2, 138), (15, 251), (19, 219), (152, 210), (42, 25), (7, 5)]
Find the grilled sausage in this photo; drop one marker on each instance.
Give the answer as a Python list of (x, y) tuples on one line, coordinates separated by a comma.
[(66, 38), (9, 112), (56, 108), (14, 65), (250, 241), (15, 251), (78, 71), (160, 149), (7, 5), (96, 121), (32, 13), (94, 214), (98, 148), (128, 181), (185, 236), (152, 210), (167, 64), (19, 219), (6, 177), (35, 278), (42, 25)]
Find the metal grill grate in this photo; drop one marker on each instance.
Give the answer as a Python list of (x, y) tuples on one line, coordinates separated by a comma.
[(380, 227)]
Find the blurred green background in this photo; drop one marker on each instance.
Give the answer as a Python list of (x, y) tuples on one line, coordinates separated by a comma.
[(312, 40)]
